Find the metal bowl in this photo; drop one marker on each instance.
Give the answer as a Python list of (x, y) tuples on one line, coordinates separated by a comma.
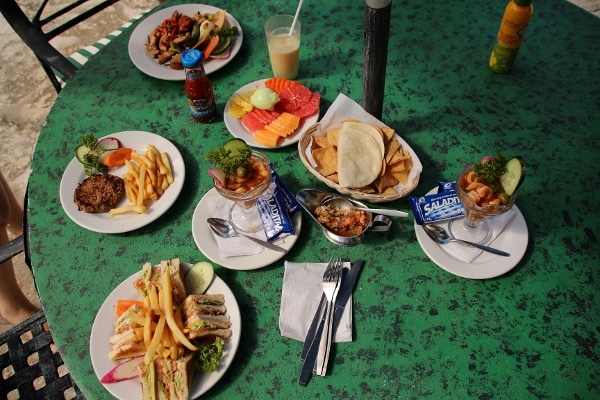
[(310, 199)]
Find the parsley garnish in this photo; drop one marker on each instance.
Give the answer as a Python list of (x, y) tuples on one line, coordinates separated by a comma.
[(221, 159), (491, 171), (91, 161)]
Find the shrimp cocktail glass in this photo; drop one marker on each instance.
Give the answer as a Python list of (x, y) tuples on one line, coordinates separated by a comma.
[(241, 175), (487, 188)]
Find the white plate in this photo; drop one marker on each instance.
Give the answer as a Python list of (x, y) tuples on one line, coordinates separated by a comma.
[(514, 239), (102, 222), (143, 60), (207, 243), (237, 129), (103, 329)]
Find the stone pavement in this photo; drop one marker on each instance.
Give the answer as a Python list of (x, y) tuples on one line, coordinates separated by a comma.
[(26, 95)]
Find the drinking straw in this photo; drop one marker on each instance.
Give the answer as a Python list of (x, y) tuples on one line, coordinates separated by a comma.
[(295, 18)]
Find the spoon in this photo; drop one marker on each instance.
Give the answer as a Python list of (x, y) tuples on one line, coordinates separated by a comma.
[(224, 229), (342, 203), (439, 234)]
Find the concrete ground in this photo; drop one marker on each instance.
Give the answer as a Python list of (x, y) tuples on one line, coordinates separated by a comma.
[(26, 95)]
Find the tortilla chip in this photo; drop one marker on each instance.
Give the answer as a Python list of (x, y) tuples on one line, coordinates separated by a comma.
[(332, 136), (401, 176), (384, 182), (388, 133), (391, 150), (326, 159), (334, 178), (320, 141)]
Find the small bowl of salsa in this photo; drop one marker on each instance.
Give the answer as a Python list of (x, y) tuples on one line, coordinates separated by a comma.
[(342, 226)]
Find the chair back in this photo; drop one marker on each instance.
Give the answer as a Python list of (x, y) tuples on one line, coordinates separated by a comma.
[(31, 364), (31, 32)]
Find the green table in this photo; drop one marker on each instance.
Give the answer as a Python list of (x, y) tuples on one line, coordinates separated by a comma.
[(420, 332)]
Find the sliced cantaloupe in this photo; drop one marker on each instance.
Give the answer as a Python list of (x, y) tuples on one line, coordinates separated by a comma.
[(284, 125), (266, 138)]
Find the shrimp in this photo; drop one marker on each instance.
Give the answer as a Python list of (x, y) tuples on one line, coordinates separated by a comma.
[(485, 192), (473, 186)]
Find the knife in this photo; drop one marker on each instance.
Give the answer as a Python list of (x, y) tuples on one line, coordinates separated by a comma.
[(311, 345)]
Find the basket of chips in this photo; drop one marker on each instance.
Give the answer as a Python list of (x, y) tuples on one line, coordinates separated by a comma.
[(368, 162)]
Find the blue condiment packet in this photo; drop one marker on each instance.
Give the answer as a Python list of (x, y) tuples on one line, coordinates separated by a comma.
[(292, 205), (446, 186), (436, 207), (273, 213)]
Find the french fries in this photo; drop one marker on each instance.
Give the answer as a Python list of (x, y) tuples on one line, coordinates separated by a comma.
[(148, 176), (164, 338)]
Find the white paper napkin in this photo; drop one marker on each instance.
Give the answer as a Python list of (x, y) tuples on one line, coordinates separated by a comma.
[(300, 298), (345, 108), (467, 253), (235, 246)]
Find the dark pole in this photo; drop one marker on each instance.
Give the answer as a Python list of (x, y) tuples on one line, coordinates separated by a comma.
[(377, 29)]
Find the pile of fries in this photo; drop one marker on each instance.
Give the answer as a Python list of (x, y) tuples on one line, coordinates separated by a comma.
[(147, 177), (165, 338)]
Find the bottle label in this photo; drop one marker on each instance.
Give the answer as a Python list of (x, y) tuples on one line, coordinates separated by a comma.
[(512, 31), (502, 58), (203, 108)]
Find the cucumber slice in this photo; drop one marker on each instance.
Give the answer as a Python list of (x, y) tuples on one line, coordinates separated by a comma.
[(81, 151), (199, 277), (512, 178), (234, 146)]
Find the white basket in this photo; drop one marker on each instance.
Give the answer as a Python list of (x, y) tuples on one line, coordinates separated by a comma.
[(401, 189)]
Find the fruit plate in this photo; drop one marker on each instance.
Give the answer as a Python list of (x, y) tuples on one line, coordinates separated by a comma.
[(237, 129), (139, 37)]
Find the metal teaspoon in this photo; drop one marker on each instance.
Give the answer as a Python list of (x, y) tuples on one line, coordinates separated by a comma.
[(224, 229), (439, 234)]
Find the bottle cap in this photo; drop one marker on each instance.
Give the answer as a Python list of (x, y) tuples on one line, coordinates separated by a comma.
[(191, 58), (522, 3)]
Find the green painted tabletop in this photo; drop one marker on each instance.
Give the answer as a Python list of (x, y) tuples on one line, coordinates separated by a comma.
[(420, 332)]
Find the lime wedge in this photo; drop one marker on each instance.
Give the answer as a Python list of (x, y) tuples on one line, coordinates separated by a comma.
[(223, 44), (199, 277)]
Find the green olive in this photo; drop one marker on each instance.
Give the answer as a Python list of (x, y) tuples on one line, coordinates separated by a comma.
[(504, 198), (242, 172)]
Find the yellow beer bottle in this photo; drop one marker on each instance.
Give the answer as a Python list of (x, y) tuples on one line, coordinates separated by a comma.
[(510, 35)]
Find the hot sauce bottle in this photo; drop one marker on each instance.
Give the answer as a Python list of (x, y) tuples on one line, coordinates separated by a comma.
[(198, 88), (510, 35)]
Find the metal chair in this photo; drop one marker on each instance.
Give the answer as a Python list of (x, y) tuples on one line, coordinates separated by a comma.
[(30, 365), (32, 33)]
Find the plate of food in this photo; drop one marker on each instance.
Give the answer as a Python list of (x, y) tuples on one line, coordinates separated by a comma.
[(514, 236), (78, 191), (206, 242), (140, 47), (271, 112), (104, 329)]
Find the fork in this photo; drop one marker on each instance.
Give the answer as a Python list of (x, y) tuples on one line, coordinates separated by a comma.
[(331, 284)]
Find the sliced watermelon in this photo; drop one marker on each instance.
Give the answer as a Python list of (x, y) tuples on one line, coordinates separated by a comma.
[(265, 116), (252, 123), (309, 108)]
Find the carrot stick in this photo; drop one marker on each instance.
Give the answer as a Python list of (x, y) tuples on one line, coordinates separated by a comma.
[(124, 305), (117, 157), (214, 41)]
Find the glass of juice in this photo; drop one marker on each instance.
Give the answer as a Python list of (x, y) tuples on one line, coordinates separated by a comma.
[(284, 48)]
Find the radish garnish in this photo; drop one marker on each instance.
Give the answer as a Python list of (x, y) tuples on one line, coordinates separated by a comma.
[(123, 371), (109, 143), (218, 176), (488, 158)]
